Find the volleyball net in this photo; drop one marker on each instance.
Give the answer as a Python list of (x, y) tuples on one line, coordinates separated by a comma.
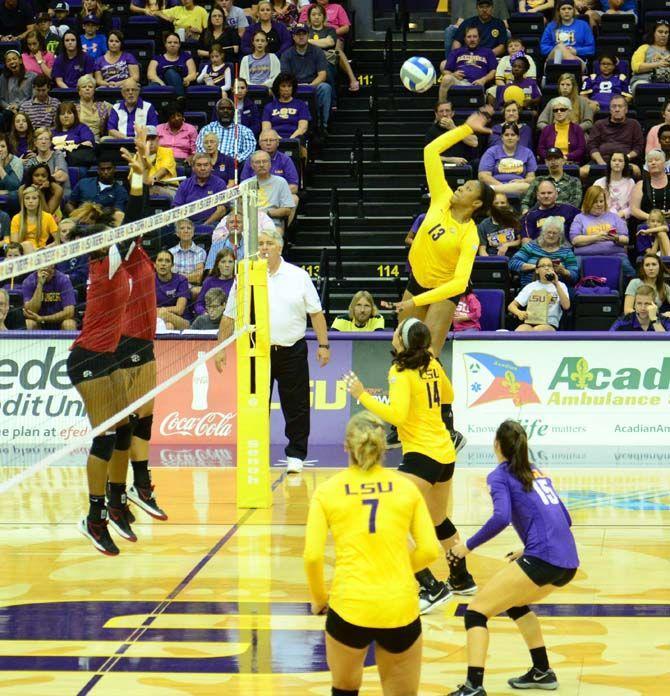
[(43, 418)]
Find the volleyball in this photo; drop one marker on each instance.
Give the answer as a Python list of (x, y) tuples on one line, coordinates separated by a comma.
[(417, 74), (515, 94)]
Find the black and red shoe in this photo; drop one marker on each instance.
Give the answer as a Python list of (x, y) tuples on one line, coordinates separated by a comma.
[(99, 535), (118, 521), (144, 498)]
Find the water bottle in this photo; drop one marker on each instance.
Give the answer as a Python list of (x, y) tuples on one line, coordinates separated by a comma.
[(200, 385)]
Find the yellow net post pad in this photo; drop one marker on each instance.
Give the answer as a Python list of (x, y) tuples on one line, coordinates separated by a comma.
[(253, 389)]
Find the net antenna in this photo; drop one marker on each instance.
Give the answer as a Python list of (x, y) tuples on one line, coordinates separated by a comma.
[(26, 465), (253, 368)]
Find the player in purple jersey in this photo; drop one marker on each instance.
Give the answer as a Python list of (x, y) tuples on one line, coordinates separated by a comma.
[(524, 496)]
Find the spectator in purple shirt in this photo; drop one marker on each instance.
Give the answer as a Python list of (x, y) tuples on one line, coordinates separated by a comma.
[(201, 184), (469, 65), (249, 114), (223, 166), (132, 110), (116, 65), (172, 293), (72, 137), (175, 68), (523, 496), (520, 66), (221, 276), (49, 300), (509, 167), (286, 114), (71, 62), (645, 315), (547, 206), (280, 163)]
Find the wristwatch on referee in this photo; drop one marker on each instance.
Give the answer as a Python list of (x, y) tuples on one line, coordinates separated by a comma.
[(324, 345)]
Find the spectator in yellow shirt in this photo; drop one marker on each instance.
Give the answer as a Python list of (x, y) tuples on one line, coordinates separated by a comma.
[(32, 227), (163, 166), (363, 315), (190, 18)]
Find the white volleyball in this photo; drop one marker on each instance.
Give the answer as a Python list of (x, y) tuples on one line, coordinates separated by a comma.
[(417, 74)]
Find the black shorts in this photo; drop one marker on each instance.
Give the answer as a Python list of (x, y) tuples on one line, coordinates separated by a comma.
[(426, 468), (394, 640), (543, 573), (133, 352), (84, 365), (413, 288)]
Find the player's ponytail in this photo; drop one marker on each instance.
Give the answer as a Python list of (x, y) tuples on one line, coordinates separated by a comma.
[(513, 443), (505, 217), (365, 440), (416, 340)]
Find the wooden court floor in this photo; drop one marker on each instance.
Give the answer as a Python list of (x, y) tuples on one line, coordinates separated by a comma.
[(214, 600)]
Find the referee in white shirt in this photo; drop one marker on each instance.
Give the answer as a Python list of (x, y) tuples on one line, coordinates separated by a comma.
[(292, 296)]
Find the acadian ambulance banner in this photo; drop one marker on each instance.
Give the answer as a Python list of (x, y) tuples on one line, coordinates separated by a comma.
[(564, 392)]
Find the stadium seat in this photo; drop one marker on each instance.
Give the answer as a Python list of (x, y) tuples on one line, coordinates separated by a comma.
[(619, 23), (621, 44), (64, 94), (466, 96), (202, 98), (609, 267), (112, 148), (161, 96), (595, 312), (143, 49), (491, 272), (142, 27), (108, 94), (73, 175), (196, 118), (552, 71), (652, 94), (493, 309), (526, 23)]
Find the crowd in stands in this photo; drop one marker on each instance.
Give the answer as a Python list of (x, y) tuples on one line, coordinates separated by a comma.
[(73, 87), (585, 169)]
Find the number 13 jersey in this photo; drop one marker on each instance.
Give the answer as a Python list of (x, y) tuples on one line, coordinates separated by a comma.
[(443, 249)]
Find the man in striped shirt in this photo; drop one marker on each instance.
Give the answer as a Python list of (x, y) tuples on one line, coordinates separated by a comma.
[(225, 130), (189, 258), (132, 110), (41, 109)]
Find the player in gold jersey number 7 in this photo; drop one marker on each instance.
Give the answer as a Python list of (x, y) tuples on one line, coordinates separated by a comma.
[(370, 512), (418, 387), (444, 248)]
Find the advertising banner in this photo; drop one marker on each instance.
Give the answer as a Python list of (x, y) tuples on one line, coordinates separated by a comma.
[(578, 392)]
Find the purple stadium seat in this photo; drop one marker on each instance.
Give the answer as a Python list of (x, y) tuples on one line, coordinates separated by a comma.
[(493, 309), (609, 267)]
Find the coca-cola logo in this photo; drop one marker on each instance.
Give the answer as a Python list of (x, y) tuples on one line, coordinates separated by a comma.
[(212, 424)]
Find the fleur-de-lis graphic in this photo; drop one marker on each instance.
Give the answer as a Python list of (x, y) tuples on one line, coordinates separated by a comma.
[(512, 386), (582, 375)]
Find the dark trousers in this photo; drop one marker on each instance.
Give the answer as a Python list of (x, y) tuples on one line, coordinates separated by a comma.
[(288, 367)]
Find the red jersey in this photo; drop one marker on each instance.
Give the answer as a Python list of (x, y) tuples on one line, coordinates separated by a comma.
[(105, 304), (139, 321)]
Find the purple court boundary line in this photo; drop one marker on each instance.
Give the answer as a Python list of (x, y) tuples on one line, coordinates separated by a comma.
[(109, 664)]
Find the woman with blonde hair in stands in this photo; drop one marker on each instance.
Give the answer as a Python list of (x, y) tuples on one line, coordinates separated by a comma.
[(32, 227), (363, 315), (92, 113), (582, 112), (370, 511)]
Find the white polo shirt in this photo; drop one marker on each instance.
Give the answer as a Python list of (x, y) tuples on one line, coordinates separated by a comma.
[(291, 296)]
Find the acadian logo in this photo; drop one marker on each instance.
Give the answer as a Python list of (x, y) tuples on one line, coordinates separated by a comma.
[(576, 374)]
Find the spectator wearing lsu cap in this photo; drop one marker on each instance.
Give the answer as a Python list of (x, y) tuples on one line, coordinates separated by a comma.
[(93, 43), (226, 130), (563, 134), (130, 111), (568, 188), (308, 64), (492, 31), (16, 19)]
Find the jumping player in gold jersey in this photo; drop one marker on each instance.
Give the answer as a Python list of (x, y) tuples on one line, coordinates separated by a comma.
[(418, 388), (370, 512)]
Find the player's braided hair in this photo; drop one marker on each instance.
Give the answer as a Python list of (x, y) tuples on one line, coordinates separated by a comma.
[(513, 443), (416, 354)]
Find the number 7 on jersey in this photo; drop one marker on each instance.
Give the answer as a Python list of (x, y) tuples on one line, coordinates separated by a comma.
[(374, 504)]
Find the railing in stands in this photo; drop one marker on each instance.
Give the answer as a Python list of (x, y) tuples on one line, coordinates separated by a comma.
[(356, 169), (374, 118), (334, 230), (401, 21), (388, 65), (323, 285)]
